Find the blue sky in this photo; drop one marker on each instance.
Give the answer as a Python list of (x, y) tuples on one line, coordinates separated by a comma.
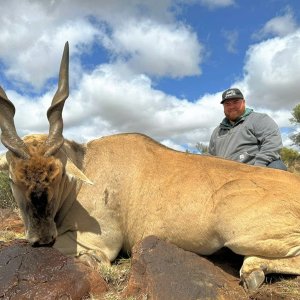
[(155, 67), (227, 32)]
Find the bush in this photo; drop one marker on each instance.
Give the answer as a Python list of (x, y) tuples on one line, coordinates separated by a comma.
[(6, 198), (289, 156)]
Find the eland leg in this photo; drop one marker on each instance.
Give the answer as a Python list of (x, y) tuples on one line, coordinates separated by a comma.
[(255, 268), (82, 246)]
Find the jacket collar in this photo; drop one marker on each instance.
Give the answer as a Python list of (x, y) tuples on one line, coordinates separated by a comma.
[(226, 123)]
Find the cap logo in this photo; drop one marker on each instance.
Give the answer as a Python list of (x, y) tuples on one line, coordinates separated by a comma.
[(230, 93)]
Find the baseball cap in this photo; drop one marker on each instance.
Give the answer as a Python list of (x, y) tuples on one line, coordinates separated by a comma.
[(233, 93)]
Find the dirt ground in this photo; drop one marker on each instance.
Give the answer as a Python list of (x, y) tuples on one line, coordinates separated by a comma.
[(275, 287)]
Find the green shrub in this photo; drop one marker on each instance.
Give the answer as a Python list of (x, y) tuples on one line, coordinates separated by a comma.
[(289, 156), (6, 198)]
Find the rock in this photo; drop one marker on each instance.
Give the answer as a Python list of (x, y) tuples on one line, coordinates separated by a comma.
[(44, 273), (163, 271)]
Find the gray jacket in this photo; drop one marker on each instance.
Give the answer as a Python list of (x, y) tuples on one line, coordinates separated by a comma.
[(254, 139)]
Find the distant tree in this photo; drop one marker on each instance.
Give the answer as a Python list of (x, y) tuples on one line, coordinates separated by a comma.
[(202, 148), (289, 156), (296, 120)]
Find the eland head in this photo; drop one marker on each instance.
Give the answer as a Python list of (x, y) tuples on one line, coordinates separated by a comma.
[(36, 165)]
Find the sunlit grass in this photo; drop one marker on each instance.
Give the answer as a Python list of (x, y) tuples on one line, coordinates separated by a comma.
[(10, 235)]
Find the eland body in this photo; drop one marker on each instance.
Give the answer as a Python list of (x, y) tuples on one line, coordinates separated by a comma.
[(97, 198)]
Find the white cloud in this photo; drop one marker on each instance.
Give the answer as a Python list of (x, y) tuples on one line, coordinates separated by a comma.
[(231, 37), (157, 49), (170, 144), (32, 38), (105, 103), (272, 73), (39, 61), (278, 26), (217, 3), (132, 105), (144, 36), (113, 12)]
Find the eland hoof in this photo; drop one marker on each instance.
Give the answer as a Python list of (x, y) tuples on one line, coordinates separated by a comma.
[(254, 280), (94, 258)]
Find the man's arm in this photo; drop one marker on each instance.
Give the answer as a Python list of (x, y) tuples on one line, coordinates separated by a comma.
[(269, 137)]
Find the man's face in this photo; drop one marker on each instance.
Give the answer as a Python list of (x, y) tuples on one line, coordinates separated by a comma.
[(234, 108)]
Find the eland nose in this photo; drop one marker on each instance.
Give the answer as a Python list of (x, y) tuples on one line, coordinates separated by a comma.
[(44, 242)]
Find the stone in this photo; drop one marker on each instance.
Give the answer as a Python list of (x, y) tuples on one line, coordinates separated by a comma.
[(44, 273), (161, 270)]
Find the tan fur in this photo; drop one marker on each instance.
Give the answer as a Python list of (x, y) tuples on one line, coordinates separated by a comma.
[(199, 203), (39, 172)]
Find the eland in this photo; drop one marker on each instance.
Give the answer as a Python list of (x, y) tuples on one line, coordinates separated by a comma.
[(92, 200)]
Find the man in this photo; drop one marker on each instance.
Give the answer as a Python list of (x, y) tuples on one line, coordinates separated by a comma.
[(246, 136)]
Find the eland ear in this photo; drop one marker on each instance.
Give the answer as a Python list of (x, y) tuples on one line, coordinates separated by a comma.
[(73, 172), (3, 163)]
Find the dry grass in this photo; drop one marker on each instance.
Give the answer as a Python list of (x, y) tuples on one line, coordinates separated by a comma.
[(116, 276), (9, 235), (6, 198), (8, 208), (279, 287), (113, 296), (11, 226), (288, 287)]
